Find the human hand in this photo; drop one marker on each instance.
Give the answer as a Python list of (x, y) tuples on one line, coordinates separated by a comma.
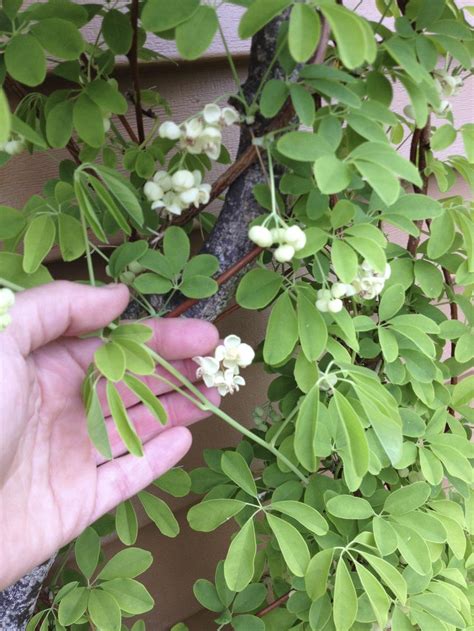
[(53, 483)]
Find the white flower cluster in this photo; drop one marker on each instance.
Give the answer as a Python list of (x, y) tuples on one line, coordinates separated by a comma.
[(202, 133), (13, 146), (447, 85), (290, 240), (7, 300), (177, 192), (223, 370), (368, 284)]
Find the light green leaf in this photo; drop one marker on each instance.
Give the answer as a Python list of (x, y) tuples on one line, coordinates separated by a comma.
[(258, 14), (122, 421), (130, 595), (344, 260), (206, 594), (11, 265), (73, 605), (25, 60), (86, 551), (442, 233), (306, 373), (306, 515), (274, 95), (123, 192), (38, 241), (104, 611), (304, 32), (345, 598), (110, 361), (354, 434), (282, 331), (350, 35), (162, 15), (159, 512), (376, 594), (292, 545), (390, 575), (199, 287), (176, 248), (201, 265), (87, 119), (407, 498), (311, 327), (429, 278), (258, 288), (59, 37), (455, 463), (467, 132), (59, 124), (303, 103), (240, 559), (383, 181), (194, 36), (317, 572), (147, 397), (139, 361), (209, 515), (236, 468), (12, 222), (250, 599), (149, 283), (5, 117), (391, 302), (107, 96), (384, 535), (303, 146), (126, 563), (332, 175), (440, 607), (305, 430), (413, 548), (96, 427), (71, 239), (389, 345), (126, 523), (176, 482), (349, 507), (443, 137)]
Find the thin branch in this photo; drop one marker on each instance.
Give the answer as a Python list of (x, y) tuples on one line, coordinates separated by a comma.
[(128, 129), (276, 603), (133, 60)]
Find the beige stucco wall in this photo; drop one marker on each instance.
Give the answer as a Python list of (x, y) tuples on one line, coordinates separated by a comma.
[(179, 562)]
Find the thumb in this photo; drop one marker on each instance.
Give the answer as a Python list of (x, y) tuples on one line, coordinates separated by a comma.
[(43, 314)]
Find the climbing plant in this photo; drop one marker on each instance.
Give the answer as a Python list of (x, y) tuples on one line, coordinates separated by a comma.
[(351, 492)]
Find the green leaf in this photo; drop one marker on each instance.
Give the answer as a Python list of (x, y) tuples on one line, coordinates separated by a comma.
[(11, 265), (306, 430), (306, 373), (304, 32), (292, 545), (303, 146), (96, 427), (349, 507), (71, 239), (73, 605), (282, 331), (199, 287), (316, 239), (87, 119), (159, 512), (390, 575), (236, 468), (443, 137), (332, 175), (209, 515), (344, 260), (59, 124), (391, 302), (274, 95), (354, 434), (87, 209), (383, 181), (117, 32), (206, 594), (110, 361), (122, 421), (258, 14), (126, 563), (126, 523), (317, 573), (140, 333), (389, 345), (123, 192), (429, 278), (442, 234), (130, 595), (376, 594), (311, 328), (455, 463), (431, 467), (345, 598), (125, 254), (248, 623), (240, 559), (194, 36), (384, 535), (250, 599), (59, 37), (86, 551), (5, 117), (201, 265), (38, 241), (306, 515), (335, 90), (147, 397), (162, 15), (467, 132), (11, 7), (303, 103), (152, 284), (440, 607), (25, 60), (353, 43), (371, 252), (139, 361), (12, 222), (176, 248), (176, 482), (400, 621), (104, 611), (413, 549), (106, 96), (258, 288), (417, 206)]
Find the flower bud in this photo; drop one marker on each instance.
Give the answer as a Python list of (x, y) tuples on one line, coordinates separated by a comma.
[(191, 196), (13, 147), (127, 278), (322, 305), (338, 290), (278, 234), (324, 294), (183, 180), (153, 192), (284, 253), (7, 299), (261, 236), (163, 179), (295, 237), (230, 116), (169, 130), (211, 114), (136, 268), (335, 305)]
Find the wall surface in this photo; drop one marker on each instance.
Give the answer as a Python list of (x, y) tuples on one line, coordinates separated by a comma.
[(179, 562)]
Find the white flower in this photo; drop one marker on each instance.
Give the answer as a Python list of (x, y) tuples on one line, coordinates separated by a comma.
[(322, 305), (261, 236), (335, 305), (340, 290), (208, 369), (233, 353), (7, 299), (153, 191), (163, 179), (295, 237), (229, 116), (13, 146), (204, 194), (323, 298), (182, 180), (212, 114), (228, 382), (284, 253), (169, 130), (191, 196)]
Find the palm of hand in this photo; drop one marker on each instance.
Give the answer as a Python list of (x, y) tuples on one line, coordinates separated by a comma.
[(53, 483)]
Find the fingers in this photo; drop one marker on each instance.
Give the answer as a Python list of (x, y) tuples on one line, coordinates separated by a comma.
[(179, 410), (45, 313), (120, 479)]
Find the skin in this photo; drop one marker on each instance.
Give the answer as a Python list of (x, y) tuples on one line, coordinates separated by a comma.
[(53, 483)]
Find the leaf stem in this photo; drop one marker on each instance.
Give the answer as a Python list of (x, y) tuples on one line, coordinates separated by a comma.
[(10, 285)]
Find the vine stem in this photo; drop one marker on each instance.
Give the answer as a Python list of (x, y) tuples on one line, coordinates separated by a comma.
[(205, 404), (276, 603)]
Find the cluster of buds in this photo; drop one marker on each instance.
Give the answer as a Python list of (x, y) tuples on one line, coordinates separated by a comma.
[(290, 240), (13, 146), (202, 133), (447, 85), (7, 300), (369, 283), (223, 370), (327, 381), (177, 192), (330, 299)]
